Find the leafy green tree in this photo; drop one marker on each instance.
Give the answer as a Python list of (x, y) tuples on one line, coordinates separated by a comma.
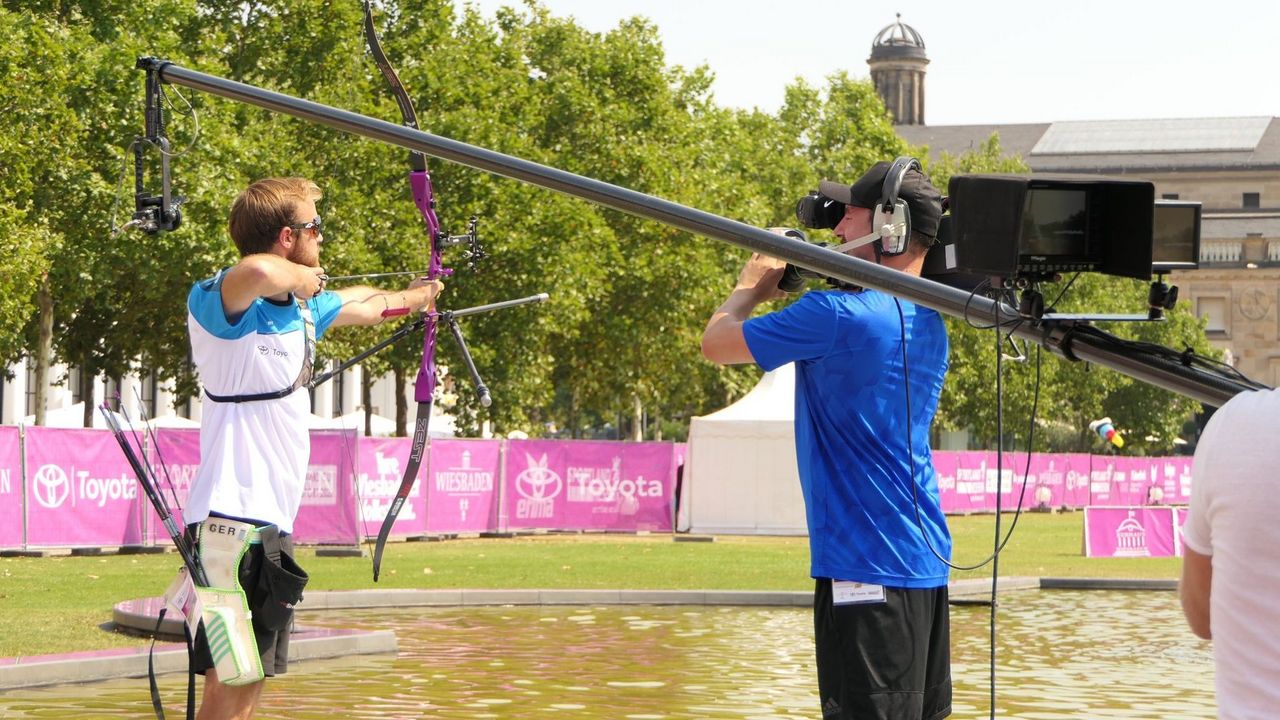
[(619, 339), (73, 61), (27, 244)]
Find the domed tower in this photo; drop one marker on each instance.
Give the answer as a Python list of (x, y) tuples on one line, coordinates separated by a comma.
[(897, 68)]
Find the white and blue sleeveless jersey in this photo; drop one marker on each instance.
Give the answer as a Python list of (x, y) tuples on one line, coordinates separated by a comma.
[(253, 455)]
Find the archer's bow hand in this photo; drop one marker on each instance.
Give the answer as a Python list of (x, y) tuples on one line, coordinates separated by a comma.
[(422, 294)]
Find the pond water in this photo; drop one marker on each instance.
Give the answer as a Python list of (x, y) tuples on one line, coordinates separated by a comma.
[(1061, 654)]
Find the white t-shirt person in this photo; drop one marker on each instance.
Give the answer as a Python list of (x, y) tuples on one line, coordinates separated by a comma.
[(1231, 574)]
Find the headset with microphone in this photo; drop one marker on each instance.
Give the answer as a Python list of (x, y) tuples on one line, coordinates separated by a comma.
[(890, 219), (824, 209)]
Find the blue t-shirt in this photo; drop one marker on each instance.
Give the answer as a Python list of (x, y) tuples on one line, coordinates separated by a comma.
[(851, 438)]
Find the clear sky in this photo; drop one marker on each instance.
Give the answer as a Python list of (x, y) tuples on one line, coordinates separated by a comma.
[(991, 61)]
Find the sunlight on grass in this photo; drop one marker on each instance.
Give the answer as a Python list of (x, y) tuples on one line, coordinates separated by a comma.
[(50, 605)]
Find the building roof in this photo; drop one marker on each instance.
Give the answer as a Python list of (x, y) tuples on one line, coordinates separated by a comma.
[(1119, 146), (1101, 137), (898, 33), (898, 40)]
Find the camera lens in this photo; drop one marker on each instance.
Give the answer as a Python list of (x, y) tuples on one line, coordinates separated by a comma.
[(818, 211)]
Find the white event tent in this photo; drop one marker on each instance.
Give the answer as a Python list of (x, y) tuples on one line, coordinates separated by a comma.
[(741, 475), (72, 416)]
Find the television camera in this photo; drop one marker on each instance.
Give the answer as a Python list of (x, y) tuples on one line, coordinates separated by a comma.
[(1014, 232)]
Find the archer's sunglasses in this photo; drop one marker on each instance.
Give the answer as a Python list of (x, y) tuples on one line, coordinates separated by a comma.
[(316, 225)]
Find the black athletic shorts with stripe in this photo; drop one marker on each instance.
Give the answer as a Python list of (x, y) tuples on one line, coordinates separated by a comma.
[(886, 660)]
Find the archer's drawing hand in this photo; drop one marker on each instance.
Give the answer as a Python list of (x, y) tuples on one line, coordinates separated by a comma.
[(311, 282)]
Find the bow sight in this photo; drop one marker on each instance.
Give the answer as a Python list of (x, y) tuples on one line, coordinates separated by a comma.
[(475, 251)]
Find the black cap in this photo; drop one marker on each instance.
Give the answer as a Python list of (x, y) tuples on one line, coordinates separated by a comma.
[(922, 198)]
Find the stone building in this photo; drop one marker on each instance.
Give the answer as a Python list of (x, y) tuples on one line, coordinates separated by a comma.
[(897, 68), (1230, 165)]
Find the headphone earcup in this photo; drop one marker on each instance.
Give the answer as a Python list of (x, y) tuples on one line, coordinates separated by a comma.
[(900, 220), (897, 243)]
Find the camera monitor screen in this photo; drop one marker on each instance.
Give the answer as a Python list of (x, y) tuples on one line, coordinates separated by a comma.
[(1055, 223), (1175, 236), (1039, 226)]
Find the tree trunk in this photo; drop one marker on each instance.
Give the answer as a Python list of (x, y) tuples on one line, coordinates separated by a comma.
[(402, 407), (637, 419), (575, 425), (86, 392), (366, 399), (44, 349)]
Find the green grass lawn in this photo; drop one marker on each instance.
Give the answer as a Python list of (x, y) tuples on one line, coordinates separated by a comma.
[(52, 605)]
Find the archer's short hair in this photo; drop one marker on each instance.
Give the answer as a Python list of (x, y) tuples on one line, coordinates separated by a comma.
[(264, 207)]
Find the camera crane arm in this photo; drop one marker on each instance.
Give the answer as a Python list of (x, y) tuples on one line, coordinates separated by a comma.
[(1063, 337)]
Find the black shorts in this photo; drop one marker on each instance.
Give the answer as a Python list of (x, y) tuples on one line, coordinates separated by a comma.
[(273, 645), (889, 660)]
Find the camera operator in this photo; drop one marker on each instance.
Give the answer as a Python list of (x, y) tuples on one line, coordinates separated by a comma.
[(880, 600)]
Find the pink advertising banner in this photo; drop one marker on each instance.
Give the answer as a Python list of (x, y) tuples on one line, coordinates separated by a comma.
[(328, 510), (1043, 481), (1109, 482), (1173, 476), (380, 464), (80, 490), (967, 481), (1014, 468), (175, 456), (1129, 532), (10, 488), (586, 485), (462, 485), (1055, 481)]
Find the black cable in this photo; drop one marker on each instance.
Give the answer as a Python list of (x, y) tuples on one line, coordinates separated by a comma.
[(996, 294), (911, 457), (995, 550), (998, 543), (1063, 291), (964, 315), (1184, 358)]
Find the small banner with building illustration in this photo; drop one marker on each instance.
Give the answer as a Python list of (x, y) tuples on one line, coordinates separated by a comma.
[(1131, 532), (462, 486)]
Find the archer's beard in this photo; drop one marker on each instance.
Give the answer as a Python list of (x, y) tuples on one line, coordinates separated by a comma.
[(302, 256)]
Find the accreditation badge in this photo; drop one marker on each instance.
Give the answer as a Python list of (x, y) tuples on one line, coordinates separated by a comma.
[(848, 592)]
